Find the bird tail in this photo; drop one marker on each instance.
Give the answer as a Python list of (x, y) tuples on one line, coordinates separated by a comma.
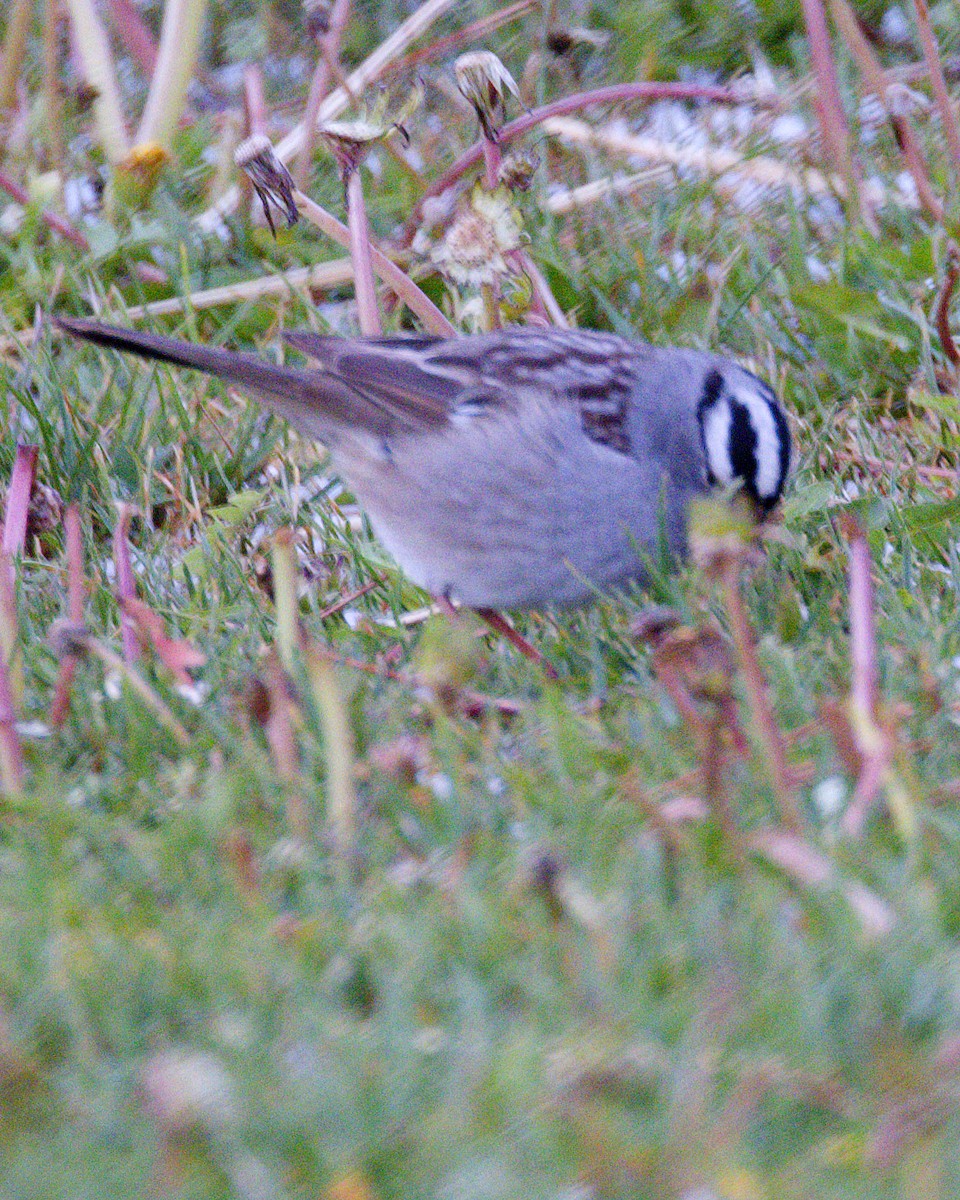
[(312, 402)]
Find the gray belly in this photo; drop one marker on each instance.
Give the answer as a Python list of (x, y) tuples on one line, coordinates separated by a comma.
[(503, 516)]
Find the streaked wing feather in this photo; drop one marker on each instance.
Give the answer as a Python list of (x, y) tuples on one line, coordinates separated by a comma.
[(422, 381)]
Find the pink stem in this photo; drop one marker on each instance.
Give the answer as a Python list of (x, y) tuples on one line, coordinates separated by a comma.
[(11, 753), (125, 585), (492, 157), (68, 664), (18, 498), (827, 100), (329, 46), (134, 33), (359, 226), (51, 219), (481, 28), (615, 94), (863, 639), (938, 82), (254, 99)]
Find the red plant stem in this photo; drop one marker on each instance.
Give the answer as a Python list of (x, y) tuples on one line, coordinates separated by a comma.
[(768, 731), (615, 94), (329, 46), (938, 82), (134, 33), (51, 219), (499, 624), (68, 663), (360, 254), (492, 156), (254, 100), (402, 285), (877, 81), (481, 28), (827, 99), (864, 685), (943, 317), (125, 585), (350, 597), (18, 498), (11, 753)]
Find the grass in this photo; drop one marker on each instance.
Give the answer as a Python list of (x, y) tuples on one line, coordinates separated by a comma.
[(521, 975)]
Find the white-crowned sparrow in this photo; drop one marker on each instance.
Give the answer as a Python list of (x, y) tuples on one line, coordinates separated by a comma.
[(514, 469)]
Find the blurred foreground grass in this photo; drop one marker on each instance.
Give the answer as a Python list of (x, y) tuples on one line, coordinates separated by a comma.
[(525, 974)]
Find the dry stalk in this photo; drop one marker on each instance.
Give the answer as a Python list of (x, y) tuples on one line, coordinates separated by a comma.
[(53, 111), (78, 641), (283, 747), (14, 50), (829, 105), (453, 42), (942, 318), (361, 254), (125, 586), (75, 591), (770, 738), (877, 82), (717, 161), (874, 740), (301, 279), (615, 94), (18, 499), (57, 223), (392, 275), (338, 742), (355, 85), (329, 54), (254, 100), (11, 753), (808, 867), (938, 83)]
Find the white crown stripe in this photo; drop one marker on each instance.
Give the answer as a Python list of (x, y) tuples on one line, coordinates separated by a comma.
[(716, 439), (767, 481)]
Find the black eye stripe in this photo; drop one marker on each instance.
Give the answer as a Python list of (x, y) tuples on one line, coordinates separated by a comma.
[(742, 445)]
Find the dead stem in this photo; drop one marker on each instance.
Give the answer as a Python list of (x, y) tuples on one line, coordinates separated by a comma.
[(329, 53), (829, 105), (365, 288), (392, 275), (53, 220), (75, 589), (125, 587), (771, 741), (943, 314), (501, 625), (615, 94), (938, 83), (877, 82)]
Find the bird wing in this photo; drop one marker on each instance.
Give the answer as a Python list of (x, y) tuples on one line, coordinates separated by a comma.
[(423, 382)]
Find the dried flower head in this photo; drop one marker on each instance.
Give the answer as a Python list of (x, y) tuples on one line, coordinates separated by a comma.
[(484, 81), (349, 141), (316, 16), (271, 180), (485, 230)]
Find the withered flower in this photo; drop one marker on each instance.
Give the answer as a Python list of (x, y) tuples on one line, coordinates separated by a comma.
[(485, 230), (316, 15), (271, 180), (484, 81), (350, 141)]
